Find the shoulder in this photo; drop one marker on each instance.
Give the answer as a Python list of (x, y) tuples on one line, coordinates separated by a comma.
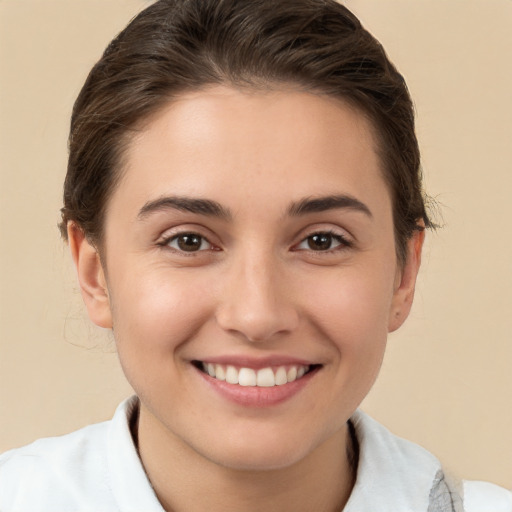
[(397, 475), (58, 471), (95, 468), (486, 497), (55, 451)]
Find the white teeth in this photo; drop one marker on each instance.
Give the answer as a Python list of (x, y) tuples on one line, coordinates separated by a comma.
[(247, 377), (231, 375), (292, 374), (220, 374), (264, 377), (281, 377)]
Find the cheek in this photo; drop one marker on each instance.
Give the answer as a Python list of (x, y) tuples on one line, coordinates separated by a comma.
[(352, 306), (154, 314), (351, 310), (157, 311)]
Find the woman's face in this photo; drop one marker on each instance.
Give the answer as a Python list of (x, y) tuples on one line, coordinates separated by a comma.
[(252, 234)]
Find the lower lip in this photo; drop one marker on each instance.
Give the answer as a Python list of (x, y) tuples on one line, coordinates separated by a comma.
[(254, 396)]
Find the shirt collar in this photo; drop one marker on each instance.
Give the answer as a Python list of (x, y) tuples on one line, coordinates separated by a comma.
[(130, 484), (393, 475)]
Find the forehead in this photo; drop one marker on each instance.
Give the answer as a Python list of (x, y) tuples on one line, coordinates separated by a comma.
[(280, 145)]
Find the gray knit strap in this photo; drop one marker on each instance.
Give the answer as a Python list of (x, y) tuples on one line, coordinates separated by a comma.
[(445, 495)]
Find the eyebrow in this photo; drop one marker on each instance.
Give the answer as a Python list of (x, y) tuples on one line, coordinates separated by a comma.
[(322, 204), (211, 208), (199, 206)]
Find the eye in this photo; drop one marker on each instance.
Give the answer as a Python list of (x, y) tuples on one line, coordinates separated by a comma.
[(188, 242), (322, 242)]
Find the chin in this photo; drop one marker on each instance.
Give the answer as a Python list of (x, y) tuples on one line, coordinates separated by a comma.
[(268, 451), (258, 460)]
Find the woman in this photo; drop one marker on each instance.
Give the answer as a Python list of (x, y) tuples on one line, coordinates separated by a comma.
[(244, 208)]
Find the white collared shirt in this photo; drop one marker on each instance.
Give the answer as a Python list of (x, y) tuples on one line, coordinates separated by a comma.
[(97, 469)]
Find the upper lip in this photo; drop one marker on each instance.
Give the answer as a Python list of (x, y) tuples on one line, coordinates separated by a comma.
[(257, 363)]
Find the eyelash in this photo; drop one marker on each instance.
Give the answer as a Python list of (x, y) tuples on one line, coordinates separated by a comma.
[(344, 243)]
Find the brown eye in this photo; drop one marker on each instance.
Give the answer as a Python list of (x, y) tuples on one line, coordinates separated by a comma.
[(189, 242), (320, 242), (323, 242)]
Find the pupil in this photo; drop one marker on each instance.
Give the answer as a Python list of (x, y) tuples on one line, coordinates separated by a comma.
[(189, 242), (320, 242)]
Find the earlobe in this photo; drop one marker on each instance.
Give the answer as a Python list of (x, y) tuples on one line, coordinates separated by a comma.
[(91, 277), (406, 282)]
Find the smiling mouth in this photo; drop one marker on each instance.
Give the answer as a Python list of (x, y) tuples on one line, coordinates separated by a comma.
[(249, 377)]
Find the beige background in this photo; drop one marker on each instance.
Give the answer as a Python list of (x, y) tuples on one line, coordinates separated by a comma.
[(447, 379)]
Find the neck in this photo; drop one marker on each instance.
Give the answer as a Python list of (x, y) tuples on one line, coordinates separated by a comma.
[(184, 480)]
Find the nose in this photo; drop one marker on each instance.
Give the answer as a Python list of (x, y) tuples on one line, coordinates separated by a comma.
[(256, 300)]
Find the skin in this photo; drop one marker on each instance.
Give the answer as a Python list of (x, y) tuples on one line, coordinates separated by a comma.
[(254, 289)]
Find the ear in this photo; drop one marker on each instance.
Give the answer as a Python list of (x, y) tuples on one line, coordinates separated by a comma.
[(91, 277), (406, 282)]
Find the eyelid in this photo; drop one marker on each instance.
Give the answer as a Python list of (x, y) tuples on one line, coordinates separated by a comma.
[(326, 228)]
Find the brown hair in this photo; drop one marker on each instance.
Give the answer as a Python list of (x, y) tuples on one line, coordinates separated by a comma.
[(178, 45)]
